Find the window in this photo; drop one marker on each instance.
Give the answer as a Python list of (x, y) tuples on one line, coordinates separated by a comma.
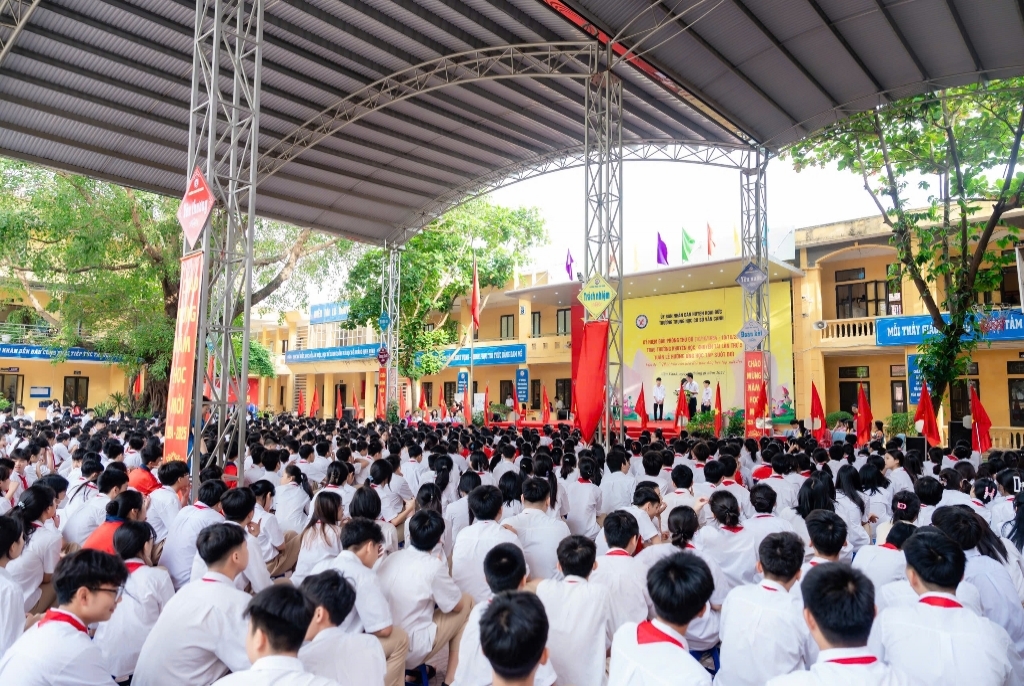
[(972, 369), (535, 318), (850, 274), (449, 393), (563, 392), (281, 400), (508, 326), (898, 396), (848, 394), (284, 345), (894, 289), (897, 370), (428, 393), (1015, 367), (960, 398), (854, 372), (505, 390), (1016, 402), (1009, 290), (535, 393), (563, 322), (866, 299), (76, 388), (428, 327), (12, 386)]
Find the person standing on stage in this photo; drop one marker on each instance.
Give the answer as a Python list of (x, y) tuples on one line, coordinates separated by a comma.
[(659, 400), (705, 398), (691, 389)]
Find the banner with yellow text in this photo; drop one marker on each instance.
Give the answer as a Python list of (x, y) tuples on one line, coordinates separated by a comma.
[(183, 359)]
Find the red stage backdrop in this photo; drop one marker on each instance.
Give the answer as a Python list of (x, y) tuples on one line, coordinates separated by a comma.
[(590, 382)]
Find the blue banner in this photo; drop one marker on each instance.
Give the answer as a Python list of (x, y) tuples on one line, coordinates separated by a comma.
[(522, 385), (21, 351), (914, 379), (345, 352), (1003, 325), (489, 355), (463, 381), (325, 313)]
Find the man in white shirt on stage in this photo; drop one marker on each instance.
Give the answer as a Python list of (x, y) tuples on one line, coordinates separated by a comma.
[(659, 400)]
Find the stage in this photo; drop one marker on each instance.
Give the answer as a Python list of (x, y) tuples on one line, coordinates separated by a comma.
[(669, 430)]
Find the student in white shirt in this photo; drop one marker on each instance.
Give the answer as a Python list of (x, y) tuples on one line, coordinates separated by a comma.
[(655, 652), (280, 548), (507, 463), (456, 513), (392, 508), (839, 609), (279, 618), (34, 568), (978, 651), (146, 593), (896, 471), (727, 541), (622, 574), (617, 486), (330, 651), (321, 539), (584, 501), (87, 519), (292, 500), (762, 626), (827, 532), (424, 599), (505, 569), (647, 505), (906, 507), (165, 502), (579, 613), (538, 534), (513, 636), (180, 546), (12, 599), (474, 542), (82, 488), (58, 650), (201, 633), (885, 563), (238, 506), (763, 499)]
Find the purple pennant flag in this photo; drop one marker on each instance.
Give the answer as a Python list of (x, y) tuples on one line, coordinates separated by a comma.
[(662, 251), (568, 263)]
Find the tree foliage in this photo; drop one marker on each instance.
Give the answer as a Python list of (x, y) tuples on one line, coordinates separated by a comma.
[(108, 257), (965, 143), (437, 268)]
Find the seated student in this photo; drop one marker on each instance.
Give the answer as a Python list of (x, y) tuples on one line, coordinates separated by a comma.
[(424, 599), (58, 650), (978, 650), (180, 547), (473, 542), (334, 598), (680, 495), (827, 533), (579, 613), (731, 545), (655, 652), (762, 627), (142, 479), (647, 505), (238, 505), (763, 499), (538, 534), (621, 573), (366, 503), (279, 618), (34, 568), (83, 488), (505, 569), (929, 491), (885, 563), (618, 485), (456, 513), (513, 638), (785, 490), (362, 543), (201, 634), (280, 548), (86, 520), (730, 471), (293, 497), (127, 506), (12, 599), (165, 502), (585, 499), (146, 593), (906, 506), (321, 539)]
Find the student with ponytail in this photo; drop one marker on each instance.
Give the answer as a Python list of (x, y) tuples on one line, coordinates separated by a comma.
[(544, 468), (129, 505), (730, 544), (33, 569), (584, 499), (392, 508), (321, 539), (12, 599), (366, 503), (293, 499)]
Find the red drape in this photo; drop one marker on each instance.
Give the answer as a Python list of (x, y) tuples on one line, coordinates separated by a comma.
[(545, 405), (641, 408), (864, 417), (981, 439), (926, 413), (817, 415), (589, 394)]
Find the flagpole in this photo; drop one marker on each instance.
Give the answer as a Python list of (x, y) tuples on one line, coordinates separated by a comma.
[(468, 411)]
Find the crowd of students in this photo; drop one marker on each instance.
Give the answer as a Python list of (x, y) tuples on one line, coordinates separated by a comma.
[(335, 552)]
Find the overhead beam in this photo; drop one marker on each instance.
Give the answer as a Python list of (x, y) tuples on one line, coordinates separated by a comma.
[(14, 16), (894, 27), (838, 35), (965, 36)]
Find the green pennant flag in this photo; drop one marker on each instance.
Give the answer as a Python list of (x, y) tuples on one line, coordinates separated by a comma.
[(688, 244)]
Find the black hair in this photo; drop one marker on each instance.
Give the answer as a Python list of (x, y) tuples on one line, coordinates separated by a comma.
[(365, 503), (33, 502), (87, 568), (763, 498), (936, 558), (781, 554), (713, 472), (842, 601), (929, 490), (620, 528), (55, 481), (536, 490), (682, 476), (111, 479), (358, 530), (169, 472), (544, 468), (827, 531), (380, 473), (331, 591), (328, 512), (511, 486), (814, 495), (576, 556), (299, 477), (899, 533), (969, 530), (263, 487), (682, 525), (725, 508), (644, 496), (514, 634), (217, 541), (679, 585), (238, 503), (485, 502), (10, 532), (337, 474), (848, 483), (283, 613), (442, 466), (131, 537), (124, 503), (504, 567), (210, 492), (467, 482), (425, 530), (906, 507)]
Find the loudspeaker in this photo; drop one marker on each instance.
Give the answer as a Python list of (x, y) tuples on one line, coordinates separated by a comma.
[(917, 443)]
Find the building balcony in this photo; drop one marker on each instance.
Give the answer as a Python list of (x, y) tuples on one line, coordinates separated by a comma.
[(35, 334), (847, 333), (549, 348)]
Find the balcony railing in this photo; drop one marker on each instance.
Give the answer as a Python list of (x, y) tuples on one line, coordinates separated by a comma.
[(858, 330), (31, 334)]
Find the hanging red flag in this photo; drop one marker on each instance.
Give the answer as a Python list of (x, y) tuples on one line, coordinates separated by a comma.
[(682, 408), (925, 414), (302, 403), (818, 427), (718, 410), (589, 394), (864, 418), (981, 439), (357, 411), (475, 298), (444, 407), (314, 404), (545, 416), (487, 405), (423, 400), (339, 403), (137, 386), (761, 408), (467, 406), (641, 409)]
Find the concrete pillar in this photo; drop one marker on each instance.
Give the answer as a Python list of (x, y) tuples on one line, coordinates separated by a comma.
[(370, 398), (329, 396)]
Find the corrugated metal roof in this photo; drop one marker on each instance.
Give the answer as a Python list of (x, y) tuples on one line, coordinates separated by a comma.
[(102, 86)]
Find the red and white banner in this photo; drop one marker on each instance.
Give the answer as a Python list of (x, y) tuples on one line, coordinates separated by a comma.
[(183, 359), (382, 393), (753, 378)]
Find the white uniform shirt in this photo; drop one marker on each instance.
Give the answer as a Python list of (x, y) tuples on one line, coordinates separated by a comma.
[(180, 547), (371, 612), (253, 474), (391, 504), (363, 662), (164, 506), (474, 668), (653, 654), (80, 491), (579, 629), (763, 634), (255, 575), (539, 536), (658, 393), (314, 550), (39, 557), (733, 550), (625, 577), (1001, 511), (87, 519), (882, 564), (55, 653), (617, 491), (146, 593), (785, 491), (900, 594), (647, 528), (900, 480), (275, 670), (471, 546), (942, 643), (762, 525), (856, 535), (846, 667), (584, 506), (999, 600), (12, 612), (199, 636), (417, 582), (271, 537), (291, 507)]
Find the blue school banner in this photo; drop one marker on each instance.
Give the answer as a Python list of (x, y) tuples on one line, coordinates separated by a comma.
[(522, 385), (490, 354), (21, 351), (325, 313), (1006, 325), (345, 352)]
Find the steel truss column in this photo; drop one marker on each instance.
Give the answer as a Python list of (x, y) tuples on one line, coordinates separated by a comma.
[(223, 143), (603, 223), (391, 291), (754, 236), (14, 15)]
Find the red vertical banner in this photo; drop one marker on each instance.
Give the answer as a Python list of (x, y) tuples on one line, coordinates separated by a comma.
[(183, 359), (382, 393), (753, 377)]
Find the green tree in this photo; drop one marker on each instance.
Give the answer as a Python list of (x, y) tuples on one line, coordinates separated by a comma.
[(108, 258), (964, 143), (437, 268)]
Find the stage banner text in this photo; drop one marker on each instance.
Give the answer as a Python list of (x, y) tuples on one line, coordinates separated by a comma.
[(183, 359)]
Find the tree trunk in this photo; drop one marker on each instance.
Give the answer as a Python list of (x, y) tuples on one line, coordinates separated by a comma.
[(154, 396)]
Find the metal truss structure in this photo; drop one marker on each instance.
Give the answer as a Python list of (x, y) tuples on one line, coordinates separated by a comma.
[(14, 15), (390, 295), (223, 143), (754, 240)]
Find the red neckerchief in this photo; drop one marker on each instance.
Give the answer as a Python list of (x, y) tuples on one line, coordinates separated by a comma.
[(618, 552), (728, 482), (769, 588), (24, 481), (806, 474), (890, 546), (690, 546), (861, 660), (937, 601), (777, 476), (201, 506), (211, 581), (978, 503), (733, 529), (132, 566), (57, 616), (648, 633), (583, 481), (763, 516)]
